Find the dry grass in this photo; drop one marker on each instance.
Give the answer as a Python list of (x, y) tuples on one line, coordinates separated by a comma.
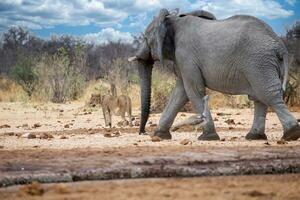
[(10, 91)]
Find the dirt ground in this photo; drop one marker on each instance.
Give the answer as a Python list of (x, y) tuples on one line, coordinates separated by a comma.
[(66, 134), (225, 187)]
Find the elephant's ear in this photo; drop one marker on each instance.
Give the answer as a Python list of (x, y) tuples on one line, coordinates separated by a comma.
[(200, 13), (161, 32)]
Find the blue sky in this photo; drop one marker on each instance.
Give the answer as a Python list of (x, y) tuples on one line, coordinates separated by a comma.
[(103, 20)]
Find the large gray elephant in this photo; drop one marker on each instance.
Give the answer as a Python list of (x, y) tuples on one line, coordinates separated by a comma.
[(238, 55)]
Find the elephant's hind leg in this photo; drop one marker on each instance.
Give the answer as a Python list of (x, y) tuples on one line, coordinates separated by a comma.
[(257, 131), (268, 89)]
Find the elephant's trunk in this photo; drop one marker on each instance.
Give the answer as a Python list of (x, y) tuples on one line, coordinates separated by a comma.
[(145, 72)]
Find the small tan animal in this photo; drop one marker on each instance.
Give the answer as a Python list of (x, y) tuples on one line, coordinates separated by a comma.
[(109, 106)]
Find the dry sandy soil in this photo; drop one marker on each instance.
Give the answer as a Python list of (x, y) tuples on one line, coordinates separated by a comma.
[(68, 133)]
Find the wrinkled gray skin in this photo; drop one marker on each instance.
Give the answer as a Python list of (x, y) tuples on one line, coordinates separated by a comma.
[(238, 55)]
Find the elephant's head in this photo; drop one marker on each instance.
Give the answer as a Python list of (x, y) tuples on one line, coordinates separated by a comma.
[(157, 45)]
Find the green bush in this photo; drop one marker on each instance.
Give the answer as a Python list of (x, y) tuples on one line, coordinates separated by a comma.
[(24, 74)]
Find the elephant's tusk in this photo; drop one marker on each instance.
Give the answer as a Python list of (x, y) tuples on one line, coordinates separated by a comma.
[(133, 58)]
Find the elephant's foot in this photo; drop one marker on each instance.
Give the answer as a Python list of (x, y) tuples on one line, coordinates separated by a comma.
[(209, 136), (256, 136), (165, 135), (292, 134)]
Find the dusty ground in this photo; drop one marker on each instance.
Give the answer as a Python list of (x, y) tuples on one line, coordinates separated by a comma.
[(83, 127), (231, 187), (77, 132)]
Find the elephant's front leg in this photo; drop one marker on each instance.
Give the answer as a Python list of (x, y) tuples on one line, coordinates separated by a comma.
[(176, 101), (257, 131), (195, 90)]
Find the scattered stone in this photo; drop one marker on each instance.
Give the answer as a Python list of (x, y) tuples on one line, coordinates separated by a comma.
[(107, 135), (185, 142), (282, 142), (9, 134), (222, 139), (29, 135), (222, 114), (67, 126), (267, 143), (254, 193), (36, 125), (230, 128), (34, 189), (136, 123), (233, 138), (135, 144), (5, 126), (46, 136), (116, 134), (61, 110), (156, 139), (36, 146), (229, 121)]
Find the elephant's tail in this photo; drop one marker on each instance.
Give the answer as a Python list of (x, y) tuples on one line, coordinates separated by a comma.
[(285, 68)]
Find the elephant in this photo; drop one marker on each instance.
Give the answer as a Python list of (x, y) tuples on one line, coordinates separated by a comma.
[(240, 55)]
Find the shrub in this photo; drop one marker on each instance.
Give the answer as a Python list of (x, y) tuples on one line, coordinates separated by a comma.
[(58, 79), (24, 74)]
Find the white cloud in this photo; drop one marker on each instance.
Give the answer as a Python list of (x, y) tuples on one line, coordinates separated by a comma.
[(37, 14), (291, 2), (108, 34), (260, 8)]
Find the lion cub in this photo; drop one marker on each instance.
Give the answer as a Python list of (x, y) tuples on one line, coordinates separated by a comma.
[(110, 104)]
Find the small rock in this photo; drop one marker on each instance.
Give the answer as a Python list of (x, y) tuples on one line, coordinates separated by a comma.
[(281, 142), (222, 139), (46, 136), (136, 123), (216, 119), (135, 144), (237, 113), (61, 111), (107, 135), (230, 128), (36, 125), (183, 115), (185, 142), (298, 120), (156, 139), (116, 134), (222, 114), (9, 134), (1, 147), (63, 137), (267, 143), (150, 122), (29, 135), (5, 126), (229, 121), (67, 126)]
